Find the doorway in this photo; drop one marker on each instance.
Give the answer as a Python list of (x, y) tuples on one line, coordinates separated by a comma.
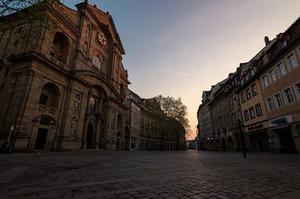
[(224, 147), (41, 139), (118, 144), (89, 136), (286, 140)]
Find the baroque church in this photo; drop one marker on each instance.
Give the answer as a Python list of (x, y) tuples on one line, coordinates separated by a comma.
[(62, 82)]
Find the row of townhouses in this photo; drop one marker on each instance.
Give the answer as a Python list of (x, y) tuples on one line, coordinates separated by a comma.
[(149, 129), (257, 106), (63, 85)]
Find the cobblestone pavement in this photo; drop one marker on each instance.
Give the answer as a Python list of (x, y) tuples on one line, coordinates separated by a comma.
[(188, 174)]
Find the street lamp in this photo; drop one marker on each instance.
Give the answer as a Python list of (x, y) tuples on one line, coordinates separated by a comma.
[(243, 139)]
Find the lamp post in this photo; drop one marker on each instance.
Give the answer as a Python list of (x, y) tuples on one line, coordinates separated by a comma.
[(243, 142)]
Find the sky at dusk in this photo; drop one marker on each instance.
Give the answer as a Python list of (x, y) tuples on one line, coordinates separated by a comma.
[(182, 47)]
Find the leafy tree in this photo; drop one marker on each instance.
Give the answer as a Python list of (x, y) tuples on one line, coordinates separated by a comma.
[(174, 108)]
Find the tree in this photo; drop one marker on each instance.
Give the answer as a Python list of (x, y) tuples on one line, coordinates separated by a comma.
[(25, 14), (28, 11), (174, 108), (8, 7)]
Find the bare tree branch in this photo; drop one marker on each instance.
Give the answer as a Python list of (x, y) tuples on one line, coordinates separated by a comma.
[(8, 7)]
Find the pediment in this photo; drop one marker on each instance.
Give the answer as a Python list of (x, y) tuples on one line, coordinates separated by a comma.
[(104, 20)]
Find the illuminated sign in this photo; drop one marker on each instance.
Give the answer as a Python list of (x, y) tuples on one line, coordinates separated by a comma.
[(281, 121)]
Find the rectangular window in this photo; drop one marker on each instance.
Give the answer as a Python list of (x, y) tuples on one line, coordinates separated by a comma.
[(246, 115), (292, 62), (281, 69), (248, 93), (272, 76), (278, 100), (297, 90), (288, 95), (252, 113), (270, 104), (243, 97), (265, 81), (258, 110), (254, 90)]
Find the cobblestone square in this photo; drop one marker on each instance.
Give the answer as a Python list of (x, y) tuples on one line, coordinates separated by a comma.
[(188, 174)]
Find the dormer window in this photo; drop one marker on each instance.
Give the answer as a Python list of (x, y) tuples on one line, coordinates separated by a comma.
[(283, 44), (252, 71), (265, 59)]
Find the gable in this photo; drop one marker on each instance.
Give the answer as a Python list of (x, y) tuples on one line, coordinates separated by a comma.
[(104, 19)]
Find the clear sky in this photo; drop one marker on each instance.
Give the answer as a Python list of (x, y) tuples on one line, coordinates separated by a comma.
[(182, 47)]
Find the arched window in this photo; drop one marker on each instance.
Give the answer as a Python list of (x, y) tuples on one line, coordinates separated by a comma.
[(97, 62), (50, 95), (92, 104), (60, 47)]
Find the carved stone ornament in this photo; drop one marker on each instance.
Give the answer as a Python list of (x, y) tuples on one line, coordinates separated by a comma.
[(102, 39)]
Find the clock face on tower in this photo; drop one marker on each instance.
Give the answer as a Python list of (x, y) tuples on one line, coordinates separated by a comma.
[(102, 39)]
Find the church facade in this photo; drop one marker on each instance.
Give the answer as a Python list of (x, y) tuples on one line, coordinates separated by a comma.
[(62, 82)]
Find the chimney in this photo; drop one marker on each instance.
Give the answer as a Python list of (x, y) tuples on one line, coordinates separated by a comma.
[(267, 40)]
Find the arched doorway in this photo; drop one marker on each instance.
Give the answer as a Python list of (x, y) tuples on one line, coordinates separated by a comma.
[(89, 136), (230, 143), (223, 144), (41, 139), (96, 118)]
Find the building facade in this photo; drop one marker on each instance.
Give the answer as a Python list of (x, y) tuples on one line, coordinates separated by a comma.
[(280, 81), (135, 104), (62, 82), (204, 126), (150, 129), (220, 119), (265, 95)]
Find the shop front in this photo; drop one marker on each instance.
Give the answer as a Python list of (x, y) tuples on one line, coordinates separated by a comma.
[(257, 137), (281, 136)]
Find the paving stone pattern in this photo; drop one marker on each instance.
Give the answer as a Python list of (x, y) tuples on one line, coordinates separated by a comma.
[(188, 174)]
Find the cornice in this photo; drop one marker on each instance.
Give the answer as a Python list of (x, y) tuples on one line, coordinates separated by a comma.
[(30, 56)]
